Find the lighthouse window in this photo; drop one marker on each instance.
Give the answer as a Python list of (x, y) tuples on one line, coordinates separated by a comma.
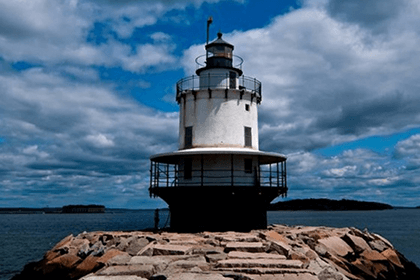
[(248, 165), (248, 137), (188, 136), (247, 107), (232, 79)]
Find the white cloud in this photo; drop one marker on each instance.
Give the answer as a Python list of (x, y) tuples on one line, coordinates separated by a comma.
[(100, 141), (33, 150), (409, 147), (147, 56), (329, 81), (55, 32)]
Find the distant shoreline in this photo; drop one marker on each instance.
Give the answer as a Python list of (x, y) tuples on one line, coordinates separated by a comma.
[(291, 205), (67, 209), (323, 204)]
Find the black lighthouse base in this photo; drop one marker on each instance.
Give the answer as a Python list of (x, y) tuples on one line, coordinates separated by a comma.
[(214, 208)]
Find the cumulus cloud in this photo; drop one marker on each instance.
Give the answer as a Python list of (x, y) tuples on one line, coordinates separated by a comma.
[(46, 32), (327, 80), (87, 134)]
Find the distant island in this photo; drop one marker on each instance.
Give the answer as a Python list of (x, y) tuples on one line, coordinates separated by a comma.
[(83, 209), (55, 210), (324, 204)]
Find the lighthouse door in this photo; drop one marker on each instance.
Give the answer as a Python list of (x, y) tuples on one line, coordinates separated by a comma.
[(232, 79)]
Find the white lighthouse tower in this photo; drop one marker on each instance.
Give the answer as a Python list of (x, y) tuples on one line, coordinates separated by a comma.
[(218, 179)]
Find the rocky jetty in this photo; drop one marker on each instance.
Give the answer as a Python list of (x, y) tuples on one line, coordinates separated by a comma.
[(278, 252)]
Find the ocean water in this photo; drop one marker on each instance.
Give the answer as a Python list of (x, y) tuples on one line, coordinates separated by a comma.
[(26, 237)]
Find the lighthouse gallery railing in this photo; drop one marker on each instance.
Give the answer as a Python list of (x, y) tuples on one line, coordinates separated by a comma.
[(219, 81)]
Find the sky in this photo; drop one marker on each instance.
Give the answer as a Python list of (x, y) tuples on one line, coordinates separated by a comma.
[(87, 94)]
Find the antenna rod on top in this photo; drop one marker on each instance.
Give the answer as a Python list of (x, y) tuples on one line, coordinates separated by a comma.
[(209, 21)]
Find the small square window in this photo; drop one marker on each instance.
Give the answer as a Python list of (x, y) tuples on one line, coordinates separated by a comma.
[(247, 107)]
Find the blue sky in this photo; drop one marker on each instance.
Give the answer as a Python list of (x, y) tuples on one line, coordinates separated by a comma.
[(87, 94)]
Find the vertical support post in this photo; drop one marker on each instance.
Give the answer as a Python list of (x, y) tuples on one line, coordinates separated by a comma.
[(151, 174), (167, 175), (270, 175), (202, 169), (157, 174), (176, 175), (282, 174), (259, 171), (285, 174), (278, 175), (231, 171)]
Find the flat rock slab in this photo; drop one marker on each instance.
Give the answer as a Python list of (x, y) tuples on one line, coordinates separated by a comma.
[(273, 235), (260, 263), (198, 276), (357, 243), (261, 271), (234, 237), (191, 263), (155, 261), (280, 247), (126, 277), (212, 258), (336, 245), (160, 249), (393, 257), (373, 255), (121, 259), (301, 276), (245, 247), (246, 255), (143, 270)]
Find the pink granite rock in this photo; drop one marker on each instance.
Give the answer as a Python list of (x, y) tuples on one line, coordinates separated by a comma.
[(358, 244), (392, 256), (245, 247), (336, 245)]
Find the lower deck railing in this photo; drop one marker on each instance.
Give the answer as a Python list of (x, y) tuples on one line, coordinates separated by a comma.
[(171, 175)]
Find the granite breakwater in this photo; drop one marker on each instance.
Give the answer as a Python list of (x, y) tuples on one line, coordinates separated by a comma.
[(279, 252)]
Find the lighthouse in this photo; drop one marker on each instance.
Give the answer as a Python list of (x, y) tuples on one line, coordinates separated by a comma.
[(218, 179)]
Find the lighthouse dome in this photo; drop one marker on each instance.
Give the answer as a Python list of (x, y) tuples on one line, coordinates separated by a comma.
[(219, 54)]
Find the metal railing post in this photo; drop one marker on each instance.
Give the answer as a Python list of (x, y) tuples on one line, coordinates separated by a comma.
[(285, 174), (259, 172), (231, 167), (157, 174), (176, 175), (151, 174), (167, 175), (202, 169)]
